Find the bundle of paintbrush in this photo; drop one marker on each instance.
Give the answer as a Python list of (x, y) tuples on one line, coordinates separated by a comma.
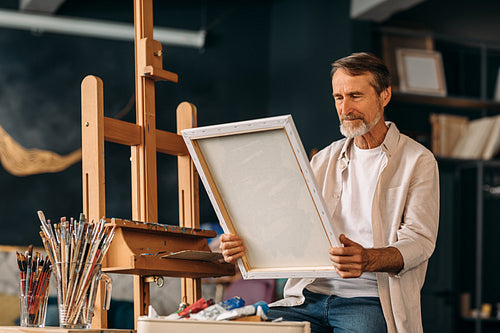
[(76, 248), (35, 272)]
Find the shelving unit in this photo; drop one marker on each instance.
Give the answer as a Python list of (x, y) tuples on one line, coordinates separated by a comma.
[(411, 112), (481, 107), (478, 167)]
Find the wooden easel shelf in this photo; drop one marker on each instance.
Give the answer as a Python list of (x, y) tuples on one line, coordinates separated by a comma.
[(139, 248), (159, 227)]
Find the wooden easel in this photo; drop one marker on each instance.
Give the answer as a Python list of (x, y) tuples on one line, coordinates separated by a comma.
[(127, 252)]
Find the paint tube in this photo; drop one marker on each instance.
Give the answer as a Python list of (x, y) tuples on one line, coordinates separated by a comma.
[(233, 303), (248, 310), (213, 311), (210, 313)]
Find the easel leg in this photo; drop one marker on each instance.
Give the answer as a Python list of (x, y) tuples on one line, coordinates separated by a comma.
[(100, 319), (189, 214), (141, 297), (190, 290), (93, 169)]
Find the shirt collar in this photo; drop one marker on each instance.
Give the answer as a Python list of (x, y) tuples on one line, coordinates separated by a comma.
[(388, 145)]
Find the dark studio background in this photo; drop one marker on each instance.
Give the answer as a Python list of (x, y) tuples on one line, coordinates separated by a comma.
[(261, 58)]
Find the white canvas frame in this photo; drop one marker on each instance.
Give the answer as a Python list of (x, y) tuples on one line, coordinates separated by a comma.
[(259, 180), (421, 72)]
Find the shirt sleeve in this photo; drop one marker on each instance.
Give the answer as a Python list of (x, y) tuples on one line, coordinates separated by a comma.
[(417, 234)]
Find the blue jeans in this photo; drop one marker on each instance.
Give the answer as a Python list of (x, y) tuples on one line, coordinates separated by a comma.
[(335, 314)]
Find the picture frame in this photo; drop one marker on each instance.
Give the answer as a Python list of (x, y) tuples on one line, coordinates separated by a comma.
[(391, 41), (261, 186), (421, 72)]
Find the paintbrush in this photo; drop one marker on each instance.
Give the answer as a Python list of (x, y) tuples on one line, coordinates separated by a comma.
[(28, 270), (45, 226), (22, 271)]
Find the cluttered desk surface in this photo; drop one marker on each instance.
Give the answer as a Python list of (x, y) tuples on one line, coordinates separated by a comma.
[(178, 326), (18, 329)]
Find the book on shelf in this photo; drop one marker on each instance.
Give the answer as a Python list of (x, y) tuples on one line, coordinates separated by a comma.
[(446, 130), (493, 145), (458, 137)]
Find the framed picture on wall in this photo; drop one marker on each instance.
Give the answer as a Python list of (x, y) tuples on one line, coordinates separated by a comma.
[(259, 181), (421, 72), (390, 42)]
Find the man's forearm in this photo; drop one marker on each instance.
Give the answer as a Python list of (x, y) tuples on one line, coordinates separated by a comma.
[(387, 259), (352, 259)]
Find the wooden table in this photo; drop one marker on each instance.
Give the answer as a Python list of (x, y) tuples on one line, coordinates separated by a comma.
[(18, 329), (180, 326), (210, 326)]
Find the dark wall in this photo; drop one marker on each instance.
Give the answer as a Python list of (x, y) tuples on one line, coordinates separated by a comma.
[(261, 58), (306, 38), (465, 19)]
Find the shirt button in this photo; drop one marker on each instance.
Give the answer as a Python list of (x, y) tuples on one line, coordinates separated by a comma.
[(336, 196)]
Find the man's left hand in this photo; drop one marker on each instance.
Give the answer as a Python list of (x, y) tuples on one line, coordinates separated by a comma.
[(350, 260)]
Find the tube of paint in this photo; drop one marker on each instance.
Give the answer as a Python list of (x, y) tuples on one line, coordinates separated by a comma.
[(233, 303), (213, 311), (248, 310)]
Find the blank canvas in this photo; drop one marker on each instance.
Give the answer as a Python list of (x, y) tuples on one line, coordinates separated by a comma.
[(260, 183)]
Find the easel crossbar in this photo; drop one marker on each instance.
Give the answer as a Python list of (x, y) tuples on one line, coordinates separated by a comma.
[(129, 134)]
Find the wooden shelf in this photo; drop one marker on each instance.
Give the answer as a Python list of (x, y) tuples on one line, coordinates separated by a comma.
[(138, 247), (449, 101), (464, 163), (489, 319)]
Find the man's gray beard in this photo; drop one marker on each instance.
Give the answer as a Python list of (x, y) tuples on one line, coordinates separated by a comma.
[(361, 129)]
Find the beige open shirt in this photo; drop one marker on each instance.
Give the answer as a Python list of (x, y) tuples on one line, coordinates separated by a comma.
[(405, 214)]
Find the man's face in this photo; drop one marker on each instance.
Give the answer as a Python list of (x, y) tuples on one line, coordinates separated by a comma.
[(358, 105)]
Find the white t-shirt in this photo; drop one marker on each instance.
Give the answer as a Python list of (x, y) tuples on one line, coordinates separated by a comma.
[(353, 218)]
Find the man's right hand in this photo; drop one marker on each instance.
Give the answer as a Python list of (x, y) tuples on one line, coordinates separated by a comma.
[(232, 247)]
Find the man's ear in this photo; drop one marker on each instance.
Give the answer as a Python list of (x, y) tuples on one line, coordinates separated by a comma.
[(385, 96)]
